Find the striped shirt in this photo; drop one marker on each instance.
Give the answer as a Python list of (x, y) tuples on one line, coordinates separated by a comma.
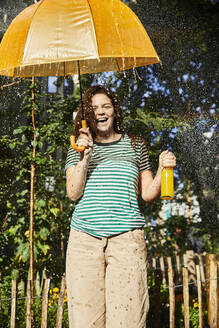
[(109, 204)]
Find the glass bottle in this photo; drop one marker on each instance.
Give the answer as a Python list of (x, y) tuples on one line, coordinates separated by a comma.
[(167, 183)]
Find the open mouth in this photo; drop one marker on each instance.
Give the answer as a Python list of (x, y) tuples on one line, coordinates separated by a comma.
[(102, 120)]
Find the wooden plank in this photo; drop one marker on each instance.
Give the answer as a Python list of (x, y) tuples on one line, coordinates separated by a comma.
[(213, 291), (178, 268), (154, 263), (191, 266), (37, 284), (169, 262), (218, 295), (162, 266), (13, 303), (202, 271), (185, 261), (199, 287), (186, 296), (207, 282), (29, 314), (45, 304), (171, 297), (61, 304)]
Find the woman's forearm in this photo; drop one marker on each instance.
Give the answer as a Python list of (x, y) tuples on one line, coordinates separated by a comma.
[(149, 186), (76, 180), (154, 188)]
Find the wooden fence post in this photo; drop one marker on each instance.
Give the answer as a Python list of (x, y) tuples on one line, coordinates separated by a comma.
[(199, 287), (60, 304), (178, 268), (37, 284), (191, 266), (171, 293), (201, 265), (185, 262), (13, 303), (186, 296), (218, 295), (213, 291), (162, 266), (207, 282), (29, 313), (169, 262), (154, 263), (45, 304)]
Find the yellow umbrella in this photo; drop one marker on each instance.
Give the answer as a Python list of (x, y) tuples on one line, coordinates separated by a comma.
[(49, 37), (66, 37)]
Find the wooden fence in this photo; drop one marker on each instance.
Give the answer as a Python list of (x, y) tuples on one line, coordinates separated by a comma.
[(197, 271), (191, 270)]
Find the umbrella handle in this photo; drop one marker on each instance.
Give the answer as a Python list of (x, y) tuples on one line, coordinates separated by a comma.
[(72, 139)]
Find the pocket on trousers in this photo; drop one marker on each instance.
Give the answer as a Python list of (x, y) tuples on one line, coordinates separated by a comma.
[(138, 235)]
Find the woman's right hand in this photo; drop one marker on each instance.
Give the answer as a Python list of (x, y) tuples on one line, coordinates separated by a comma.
[(85, 139)]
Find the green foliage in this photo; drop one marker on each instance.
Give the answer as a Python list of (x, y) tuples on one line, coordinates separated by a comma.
[(52, 209), (156, 101)]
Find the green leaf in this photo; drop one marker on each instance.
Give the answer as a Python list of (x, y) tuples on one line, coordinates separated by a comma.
[(13, 230), (44, 232), (25, 252), (43, 248), (40, 144), (141, 114), (17, 131), (24, 192), (14, 274), (34, 143), (24, 139), (12, 145), (41, 203), (55, 211)]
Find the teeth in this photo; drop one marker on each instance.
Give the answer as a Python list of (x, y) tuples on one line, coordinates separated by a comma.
[(102, 120)]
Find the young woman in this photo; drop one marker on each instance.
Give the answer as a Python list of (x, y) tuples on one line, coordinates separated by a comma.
[(106, 255)]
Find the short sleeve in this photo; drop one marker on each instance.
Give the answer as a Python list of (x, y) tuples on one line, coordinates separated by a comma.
[(144, 158), (72, 158)]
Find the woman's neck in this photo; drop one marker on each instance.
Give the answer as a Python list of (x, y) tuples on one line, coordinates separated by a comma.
[(107, 137)]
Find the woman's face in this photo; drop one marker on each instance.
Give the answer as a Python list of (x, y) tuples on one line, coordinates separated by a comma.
[(104, 113)]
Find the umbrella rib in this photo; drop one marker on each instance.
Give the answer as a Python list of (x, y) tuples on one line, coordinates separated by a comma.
[(117, 63), (92, 22), (37, 4)]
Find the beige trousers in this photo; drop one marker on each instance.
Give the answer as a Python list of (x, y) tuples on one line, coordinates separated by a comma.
[(107, 280)]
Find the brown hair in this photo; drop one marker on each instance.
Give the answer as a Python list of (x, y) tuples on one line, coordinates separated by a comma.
[(89, 112)]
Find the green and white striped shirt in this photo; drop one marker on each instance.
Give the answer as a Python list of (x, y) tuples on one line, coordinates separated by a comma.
[(109, 204)]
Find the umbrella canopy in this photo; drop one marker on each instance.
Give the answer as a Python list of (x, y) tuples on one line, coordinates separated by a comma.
[(49, 37)]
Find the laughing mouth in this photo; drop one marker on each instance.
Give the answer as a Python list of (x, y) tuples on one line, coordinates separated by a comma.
[(102, 120)]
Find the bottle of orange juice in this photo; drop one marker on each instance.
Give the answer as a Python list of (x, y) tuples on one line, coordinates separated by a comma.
[(167, 183)]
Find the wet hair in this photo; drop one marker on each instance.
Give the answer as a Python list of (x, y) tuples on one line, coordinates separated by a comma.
[(89, 112)]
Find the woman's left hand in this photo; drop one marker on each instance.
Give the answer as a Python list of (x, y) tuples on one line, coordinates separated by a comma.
[(167, 159)]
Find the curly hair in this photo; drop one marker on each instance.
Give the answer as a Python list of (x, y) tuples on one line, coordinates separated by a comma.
[(89, 112)]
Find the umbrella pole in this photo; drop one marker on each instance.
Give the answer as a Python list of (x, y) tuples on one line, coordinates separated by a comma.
[(83, 121), (80, 87)]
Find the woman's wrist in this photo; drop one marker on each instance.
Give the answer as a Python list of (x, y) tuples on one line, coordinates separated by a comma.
[(83, 163), (160, 168)]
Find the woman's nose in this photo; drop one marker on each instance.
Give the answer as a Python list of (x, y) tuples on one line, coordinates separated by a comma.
[(99, 110)]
